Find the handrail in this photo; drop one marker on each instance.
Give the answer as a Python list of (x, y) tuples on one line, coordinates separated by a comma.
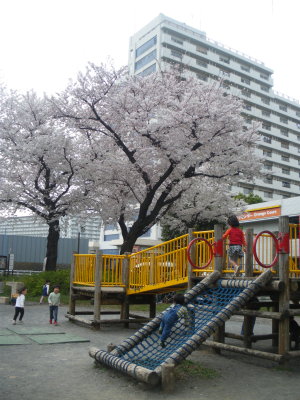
[(165, 265)]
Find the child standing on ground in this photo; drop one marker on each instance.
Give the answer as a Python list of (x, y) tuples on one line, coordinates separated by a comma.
[(237, 243), (45, 291), (177, 311), (54, 302), (19, 307)]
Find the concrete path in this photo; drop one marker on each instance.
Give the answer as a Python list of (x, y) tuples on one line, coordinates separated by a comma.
[(65, 371)]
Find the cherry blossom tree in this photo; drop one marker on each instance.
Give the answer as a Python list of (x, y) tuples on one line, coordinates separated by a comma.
[(162, 142), (40, 165)]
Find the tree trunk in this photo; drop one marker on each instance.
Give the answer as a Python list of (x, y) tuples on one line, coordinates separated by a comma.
[(128, 243), (52, 245)]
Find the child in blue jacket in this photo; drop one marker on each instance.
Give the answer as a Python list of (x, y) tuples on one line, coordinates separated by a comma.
[(176, 312)]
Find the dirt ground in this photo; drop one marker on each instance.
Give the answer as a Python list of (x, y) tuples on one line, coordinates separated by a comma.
[(65, 371)]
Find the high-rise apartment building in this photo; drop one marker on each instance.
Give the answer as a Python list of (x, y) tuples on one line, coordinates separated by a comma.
[(165, 41)]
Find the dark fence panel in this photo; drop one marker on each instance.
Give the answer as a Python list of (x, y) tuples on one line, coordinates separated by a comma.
[(30, 249)]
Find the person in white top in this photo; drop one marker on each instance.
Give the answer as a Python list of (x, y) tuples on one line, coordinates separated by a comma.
[(19, 307)]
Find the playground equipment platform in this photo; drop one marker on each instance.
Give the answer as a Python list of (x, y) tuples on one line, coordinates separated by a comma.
[(137, 279)]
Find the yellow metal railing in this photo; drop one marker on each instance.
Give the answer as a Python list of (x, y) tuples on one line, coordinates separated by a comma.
[(84, 272), (166, 264), (84, 269), (158, 266)]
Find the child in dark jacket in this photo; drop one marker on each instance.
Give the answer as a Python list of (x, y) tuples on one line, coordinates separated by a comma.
[(170, 317)]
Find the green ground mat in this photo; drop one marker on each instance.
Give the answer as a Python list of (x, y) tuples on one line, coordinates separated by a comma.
[(5, 332), (52, 339), (35, 330), (13, 339)]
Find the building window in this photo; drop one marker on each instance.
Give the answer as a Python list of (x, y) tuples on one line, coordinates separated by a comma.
[(176, 54), (264, 76), (268, 166), (245, 68), (247, 107), (284, 131), (283, 120), (201, 63), (269, 195), (267, 139), (267, 153), (285, 171), (265, 88), (265, 113), (201, 49), (145, 60), (285, 145), (265, 100), (266, 126), (202, 77), (113, 236), (268, 180), (246, 81), (282, 107), (111, 251), (148, 70), (247, 191), (224, 73), (147, 234), (246, 93), (146, 46), (286, 184), (224, 59), (285, 158), (176, 40)]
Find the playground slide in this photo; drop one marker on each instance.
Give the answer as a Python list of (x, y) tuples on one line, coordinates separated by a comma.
[(210, 303)]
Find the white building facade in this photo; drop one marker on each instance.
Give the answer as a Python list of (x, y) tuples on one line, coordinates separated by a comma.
[(165, 41)]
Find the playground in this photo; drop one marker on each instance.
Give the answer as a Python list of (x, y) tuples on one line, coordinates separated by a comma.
[(217, 350), (65, 370)]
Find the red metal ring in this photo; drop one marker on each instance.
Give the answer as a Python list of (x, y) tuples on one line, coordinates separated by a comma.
[(276, 248), (189, 255)]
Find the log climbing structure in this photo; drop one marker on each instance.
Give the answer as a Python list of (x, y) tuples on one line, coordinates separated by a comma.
[(195, 262)]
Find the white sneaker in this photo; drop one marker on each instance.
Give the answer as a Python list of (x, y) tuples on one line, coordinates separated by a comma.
[(20, 322), (14, 322)]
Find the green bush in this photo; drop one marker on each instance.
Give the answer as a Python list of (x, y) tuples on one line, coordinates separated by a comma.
[(34, 283)]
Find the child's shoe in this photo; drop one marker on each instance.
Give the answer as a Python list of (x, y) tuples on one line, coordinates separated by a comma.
[(14, 322), (21, 322), (55, 322), (163, 344), (50, 321)]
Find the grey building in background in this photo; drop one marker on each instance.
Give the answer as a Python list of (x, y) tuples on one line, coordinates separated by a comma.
[(165, 41)]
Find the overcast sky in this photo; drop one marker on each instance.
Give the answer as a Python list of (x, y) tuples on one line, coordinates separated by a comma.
[(46, 42)]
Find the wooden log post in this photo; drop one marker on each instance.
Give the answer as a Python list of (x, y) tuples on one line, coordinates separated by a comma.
[(191, 274), (284, 295), (275, 324), (249, 321), (219, 335), (124, 314), (168, 378), (152, 307), (140, 373), (97, 293), (72, 300)]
